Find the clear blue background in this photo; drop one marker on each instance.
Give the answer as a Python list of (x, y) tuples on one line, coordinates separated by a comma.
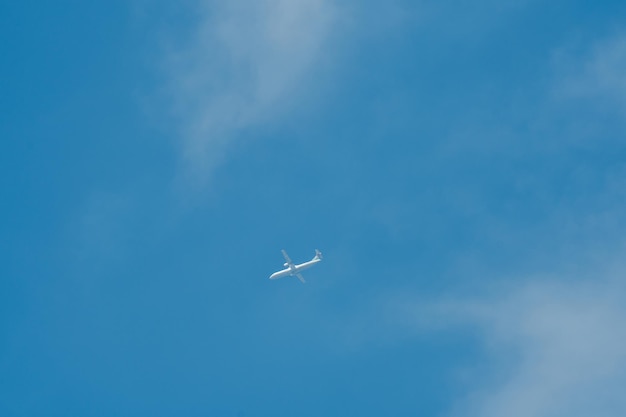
[(436, 153)]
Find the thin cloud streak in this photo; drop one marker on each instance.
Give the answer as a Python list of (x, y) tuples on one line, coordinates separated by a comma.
[(247, 62)]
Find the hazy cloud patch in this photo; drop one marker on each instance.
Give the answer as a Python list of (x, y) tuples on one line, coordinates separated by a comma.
[(598, 73), (246, 63), (556, 347)]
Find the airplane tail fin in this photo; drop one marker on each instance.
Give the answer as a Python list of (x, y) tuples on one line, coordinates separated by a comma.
[(318, 254)]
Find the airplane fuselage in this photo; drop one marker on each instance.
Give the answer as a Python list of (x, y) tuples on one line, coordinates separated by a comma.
[(294, 270)]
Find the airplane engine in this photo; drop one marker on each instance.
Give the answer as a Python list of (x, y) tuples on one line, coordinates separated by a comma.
[(285, 264)]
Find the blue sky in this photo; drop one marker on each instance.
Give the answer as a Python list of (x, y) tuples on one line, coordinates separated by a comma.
[(462, 167)]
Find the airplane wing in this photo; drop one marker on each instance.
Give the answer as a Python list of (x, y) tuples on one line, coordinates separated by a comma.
[(286, 257), (301, 278)]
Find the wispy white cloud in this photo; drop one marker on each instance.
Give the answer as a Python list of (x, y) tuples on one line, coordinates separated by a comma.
[(246, 63), (556, 347), (598, 73)]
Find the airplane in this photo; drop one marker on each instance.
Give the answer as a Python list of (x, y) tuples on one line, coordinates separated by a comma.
[(294, 270)]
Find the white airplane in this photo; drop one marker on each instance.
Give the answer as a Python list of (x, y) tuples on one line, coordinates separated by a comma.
[(295, 269)]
